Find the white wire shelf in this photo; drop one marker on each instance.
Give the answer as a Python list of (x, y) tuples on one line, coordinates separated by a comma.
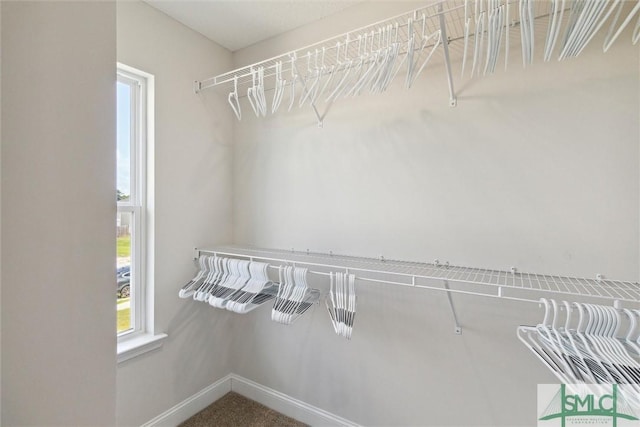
[(340, 49), (347, 42), (512, 285)]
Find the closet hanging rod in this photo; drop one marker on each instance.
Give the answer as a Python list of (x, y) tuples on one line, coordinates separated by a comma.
[(450, 8), (453, 10), (346, 44), (411, 285), (492, 283), (270, 70)]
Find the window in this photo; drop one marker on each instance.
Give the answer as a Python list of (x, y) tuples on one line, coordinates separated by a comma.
[(131, 162), (133, 284)]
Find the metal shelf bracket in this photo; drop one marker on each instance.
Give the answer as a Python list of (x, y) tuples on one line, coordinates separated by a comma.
[(447, 61), (457, 328)]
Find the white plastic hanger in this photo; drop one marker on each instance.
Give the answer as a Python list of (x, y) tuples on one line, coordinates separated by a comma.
[(223, 281), (256, 292), (233, 99), (528, 335), (574, 14), (323, 71), (506, 34), (189, 289), (294, 80), (341, 303), (527, 31), (279, 88), (478, 39), (467, 23), (437, 37), (586, 26), (298, 294), (582, 371), (636, 32), (389, 56), (491, 36), (330, 302), (294, 297), (599, 370), (581, 18), (416, 51), (284, 289), (595, 28), (373, 58), (612, 350), (335, 70), (351, 304), (392, 74), (611, 36), (251, 93), (633, 324), (411, 43), (553, 30), (332, 71), (259, 93), (227, 290), (494, 30), (314, 74), (398, 65), (348, 65), (215, 271), (341, 84), (548, 331), (220, 273)]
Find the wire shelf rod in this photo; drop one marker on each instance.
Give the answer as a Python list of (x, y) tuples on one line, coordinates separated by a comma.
[(384, 264), (346, 45), (411, 271), (329, 44)]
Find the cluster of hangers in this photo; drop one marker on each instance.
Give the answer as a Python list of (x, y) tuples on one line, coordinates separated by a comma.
[(236, 285), (581, 19), (490, 18), (294, 296), (587, 343), (371, 60), (244, 285), (341, 303), (366, 63)]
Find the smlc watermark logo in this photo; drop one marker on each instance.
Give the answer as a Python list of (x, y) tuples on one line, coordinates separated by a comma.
[(588, 405)]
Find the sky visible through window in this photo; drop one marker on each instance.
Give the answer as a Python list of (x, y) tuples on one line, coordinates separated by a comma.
[(123, 152)]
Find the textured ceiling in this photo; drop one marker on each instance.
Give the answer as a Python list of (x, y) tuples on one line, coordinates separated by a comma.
[(241, 23)]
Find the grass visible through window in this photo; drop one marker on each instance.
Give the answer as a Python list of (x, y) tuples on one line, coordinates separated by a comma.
[(124, 314), (123, 245)]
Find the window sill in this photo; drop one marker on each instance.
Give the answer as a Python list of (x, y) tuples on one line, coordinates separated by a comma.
[(135, 346)]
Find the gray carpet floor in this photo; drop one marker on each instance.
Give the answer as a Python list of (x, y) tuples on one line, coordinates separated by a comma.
[(235, 410)]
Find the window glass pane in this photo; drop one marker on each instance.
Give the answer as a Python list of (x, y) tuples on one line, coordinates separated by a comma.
[(123, 276), (124, 141)]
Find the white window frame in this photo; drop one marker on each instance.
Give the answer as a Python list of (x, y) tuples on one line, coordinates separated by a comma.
[(140, 338)]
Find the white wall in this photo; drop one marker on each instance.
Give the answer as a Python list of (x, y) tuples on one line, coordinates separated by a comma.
[(58, 207), (517, 166), (535, 168), (0, 213), (193, 141)]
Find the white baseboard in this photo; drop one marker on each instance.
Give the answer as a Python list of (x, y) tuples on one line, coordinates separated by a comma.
[(269, 397), (285, 404), (192, 405)]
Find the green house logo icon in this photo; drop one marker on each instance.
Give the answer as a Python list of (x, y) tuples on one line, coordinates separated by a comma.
[(588, 405)]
